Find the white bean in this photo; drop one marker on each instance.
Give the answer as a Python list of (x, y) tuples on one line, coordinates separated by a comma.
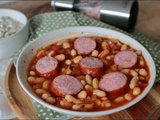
[(104, 45), (39, 80), (81, 77), (133, 82), (106, 104), (119, 99), (62, 103), (114, 40), (110, 42), (34, 80), (40, 91), (69, 71), (65, 104), (82, 94), (88, 79), (77, 107), (88, 88), (136, 91), (125, 71), (70, 98), (51, 100), (138, 52), (77, 59), (95, 53), (99, 93), (98, 102), (104, 98), (143, 72), (32, 73), (40, 53), (95, 83), (60, 57), (109, 57), (128, 96), (119, 44), (46, 84), (124, 47), (73, 52), (66, 70), (83, 82), (103, 53), (133, 73), (36, 86), (31, 79), (141, 62), (45, 96), (141, 78), (51, 53), (68, 62), (66, 45), (82, 106), (89, 106)]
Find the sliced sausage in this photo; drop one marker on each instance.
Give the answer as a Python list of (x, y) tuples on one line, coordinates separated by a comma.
[(113, 83), (84, 45), (126, 59), (66, 85), (47, 66), (91, 65)]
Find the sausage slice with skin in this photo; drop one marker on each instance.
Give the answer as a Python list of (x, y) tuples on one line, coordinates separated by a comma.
[(126, 59), (84, 45), (66, 85), (113, 83), (47, 66), (91, 65)]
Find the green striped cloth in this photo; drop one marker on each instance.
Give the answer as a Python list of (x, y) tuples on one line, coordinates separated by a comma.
[(47, 22)]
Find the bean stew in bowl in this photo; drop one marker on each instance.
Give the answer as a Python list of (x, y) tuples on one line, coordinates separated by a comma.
[(86, 71)]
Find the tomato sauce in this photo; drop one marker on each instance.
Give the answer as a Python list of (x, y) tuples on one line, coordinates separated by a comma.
[(114, 46)]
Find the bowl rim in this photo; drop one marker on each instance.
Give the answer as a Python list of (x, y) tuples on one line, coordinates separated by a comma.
[(24, 25), (94, 113)]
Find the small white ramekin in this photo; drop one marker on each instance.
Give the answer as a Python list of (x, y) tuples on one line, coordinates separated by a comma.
[(11, 44)]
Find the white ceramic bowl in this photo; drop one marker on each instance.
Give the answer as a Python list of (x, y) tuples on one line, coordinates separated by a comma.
[(30, 50), (11, 44)]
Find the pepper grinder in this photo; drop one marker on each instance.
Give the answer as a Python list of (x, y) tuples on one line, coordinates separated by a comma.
[(120, 13)]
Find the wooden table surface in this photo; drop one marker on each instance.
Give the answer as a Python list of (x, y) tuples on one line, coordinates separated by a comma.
[(148, 23)]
